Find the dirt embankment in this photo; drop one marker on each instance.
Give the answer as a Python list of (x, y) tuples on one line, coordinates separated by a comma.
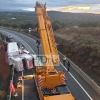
[(82, 46), (4, 76), (4, 68)]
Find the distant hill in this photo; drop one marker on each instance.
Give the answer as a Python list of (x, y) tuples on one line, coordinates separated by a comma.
[(12, 10), (61, 19), (74, 16)]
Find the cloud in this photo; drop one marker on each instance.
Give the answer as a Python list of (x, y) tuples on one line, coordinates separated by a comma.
[(52, 4), (75, 9)]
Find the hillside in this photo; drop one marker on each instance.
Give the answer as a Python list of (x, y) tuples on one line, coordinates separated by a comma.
[(4, 75), (82, 46)]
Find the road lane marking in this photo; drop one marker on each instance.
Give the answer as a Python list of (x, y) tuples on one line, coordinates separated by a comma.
[(79, 69), (66, 70), (22, 87), (77, 82), (21, 40), (72, 77), (28, 37), (25, 43)]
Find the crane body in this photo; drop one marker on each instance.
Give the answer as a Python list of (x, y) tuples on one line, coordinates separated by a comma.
[(51, 84)]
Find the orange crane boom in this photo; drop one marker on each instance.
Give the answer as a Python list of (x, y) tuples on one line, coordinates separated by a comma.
[(49, 81), (46, 33)]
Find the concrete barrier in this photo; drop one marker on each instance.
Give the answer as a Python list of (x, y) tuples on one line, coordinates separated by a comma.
[(84, 76), (79, 71)]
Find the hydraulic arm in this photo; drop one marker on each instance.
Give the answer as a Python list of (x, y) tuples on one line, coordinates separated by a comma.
[(49, 81), (46, 33)]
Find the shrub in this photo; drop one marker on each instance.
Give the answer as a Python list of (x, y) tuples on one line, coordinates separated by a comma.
[(93, 54), (2, 95), (95, 46), (98, 53)]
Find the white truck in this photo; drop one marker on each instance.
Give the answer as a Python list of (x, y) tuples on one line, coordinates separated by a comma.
[(12, 50), (21, 59)]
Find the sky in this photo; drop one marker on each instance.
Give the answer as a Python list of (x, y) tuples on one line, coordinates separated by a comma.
[(58, 5)]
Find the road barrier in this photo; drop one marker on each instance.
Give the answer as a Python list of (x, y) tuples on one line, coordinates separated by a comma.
[(84, 76), (76, 68)]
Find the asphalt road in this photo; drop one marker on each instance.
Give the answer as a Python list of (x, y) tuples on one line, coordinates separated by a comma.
[(76, 84)]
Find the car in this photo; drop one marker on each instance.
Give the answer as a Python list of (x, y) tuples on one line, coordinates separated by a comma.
[(9, 36)]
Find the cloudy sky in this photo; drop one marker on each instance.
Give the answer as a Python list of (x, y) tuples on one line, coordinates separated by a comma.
[(58, 5)]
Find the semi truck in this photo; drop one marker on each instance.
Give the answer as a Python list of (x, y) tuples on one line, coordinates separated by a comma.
[(20, 59)]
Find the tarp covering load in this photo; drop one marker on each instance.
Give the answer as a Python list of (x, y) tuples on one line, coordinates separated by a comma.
[(12, 49), (18, 63)]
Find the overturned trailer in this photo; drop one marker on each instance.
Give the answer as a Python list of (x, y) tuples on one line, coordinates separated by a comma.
[(22, 59)]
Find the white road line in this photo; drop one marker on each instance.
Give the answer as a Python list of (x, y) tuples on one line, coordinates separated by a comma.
[(79, 68), (71, 76), (27, 36), (21, 40), (77, 82), (22, 71), (22, 87), (69, 73), (25, 43)]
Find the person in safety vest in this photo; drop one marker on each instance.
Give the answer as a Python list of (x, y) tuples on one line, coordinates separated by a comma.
[(68, 66), (64, 60)]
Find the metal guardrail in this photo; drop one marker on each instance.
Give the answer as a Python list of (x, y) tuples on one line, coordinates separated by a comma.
[(84, 76), (77, 69)]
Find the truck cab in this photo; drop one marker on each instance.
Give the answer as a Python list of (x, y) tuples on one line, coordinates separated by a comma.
[(12, 50)]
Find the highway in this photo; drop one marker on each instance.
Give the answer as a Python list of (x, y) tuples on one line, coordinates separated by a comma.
[(76, 84)]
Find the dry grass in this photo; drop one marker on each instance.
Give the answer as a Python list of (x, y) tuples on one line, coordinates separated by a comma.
[(2, 94), (4, 73), (4, 68), (84, 44)]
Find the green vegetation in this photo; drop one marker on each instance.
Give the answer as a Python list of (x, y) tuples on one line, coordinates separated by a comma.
[(25, 20), (78, 36)]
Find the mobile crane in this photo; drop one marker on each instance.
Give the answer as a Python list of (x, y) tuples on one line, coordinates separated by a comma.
[(50, 83)]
